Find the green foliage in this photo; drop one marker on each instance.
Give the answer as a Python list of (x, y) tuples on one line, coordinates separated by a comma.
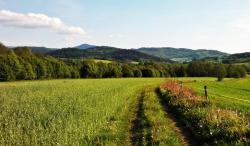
[(27, 72), (236, 71), (127, 71), (137, 73), (3, 49), (210, 69), (113, 71), (6, 73), (210, 125), (148, 72), (220, 71), (22, 64), (105, 53), (89, 70), (181, 54)]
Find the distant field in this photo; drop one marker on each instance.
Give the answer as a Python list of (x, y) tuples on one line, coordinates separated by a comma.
[(64, 112), (231, 93)]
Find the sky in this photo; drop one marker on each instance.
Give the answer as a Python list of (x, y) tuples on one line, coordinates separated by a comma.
[(222, 25)]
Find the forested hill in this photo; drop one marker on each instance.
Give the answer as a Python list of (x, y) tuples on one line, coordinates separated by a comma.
[(181, 54), (234, 58), (107, 53), (21, 64), (155, 54)]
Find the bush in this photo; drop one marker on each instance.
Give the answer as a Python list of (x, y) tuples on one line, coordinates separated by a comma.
[(210, 125)]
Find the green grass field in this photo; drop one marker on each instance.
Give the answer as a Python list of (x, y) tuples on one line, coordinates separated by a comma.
[(100, 111), (230, 94), (63, 112)]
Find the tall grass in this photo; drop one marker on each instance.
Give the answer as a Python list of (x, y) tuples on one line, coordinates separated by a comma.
[(67, 112)]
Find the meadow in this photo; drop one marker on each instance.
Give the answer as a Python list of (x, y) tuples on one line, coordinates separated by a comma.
[(233, 94), (68, 112), (123, 111)]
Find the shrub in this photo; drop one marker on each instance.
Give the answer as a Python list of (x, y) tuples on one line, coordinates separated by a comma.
[(209, 124)]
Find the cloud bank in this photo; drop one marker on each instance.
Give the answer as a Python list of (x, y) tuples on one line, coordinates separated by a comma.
[(32, 20)]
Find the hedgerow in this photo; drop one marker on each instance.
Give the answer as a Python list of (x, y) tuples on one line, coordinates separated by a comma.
[(208, 123)]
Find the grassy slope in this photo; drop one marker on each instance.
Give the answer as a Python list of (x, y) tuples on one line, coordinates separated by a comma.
[(231, 93), (63, 112)]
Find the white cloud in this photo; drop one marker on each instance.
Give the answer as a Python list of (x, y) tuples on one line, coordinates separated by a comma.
[(32, 20)]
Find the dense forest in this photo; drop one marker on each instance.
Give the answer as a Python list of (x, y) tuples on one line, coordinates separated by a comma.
[(107, 53), (229, 59), (21, 64), (181, 54)]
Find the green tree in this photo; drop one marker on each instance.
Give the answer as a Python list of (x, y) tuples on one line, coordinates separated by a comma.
[(3, 49), (127, 71), (89, 69), (137, 73), (220, 71)]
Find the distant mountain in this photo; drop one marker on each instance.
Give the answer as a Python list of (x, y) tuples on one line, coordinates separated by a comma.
[(85, 46), (233, 58), (107, 53), (181, 54)]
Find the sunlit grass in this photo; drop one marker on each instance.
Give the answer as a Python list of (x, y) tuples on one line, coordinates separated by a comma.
[(230, 93), (163, 130), (67, 112)]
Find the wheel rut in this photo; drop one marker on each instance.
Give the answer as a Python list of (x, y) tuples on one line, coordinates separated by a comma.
[(182, 131), (141, 128)]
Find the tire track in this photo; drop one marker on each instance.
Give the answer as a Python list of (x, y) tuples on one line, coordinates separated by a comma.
[(141, 127), (182, 131)]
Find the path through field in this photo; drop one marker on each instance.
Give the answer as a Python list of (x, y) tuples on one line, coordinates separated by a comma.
[(68, 112), (103, 111), (154, 125)]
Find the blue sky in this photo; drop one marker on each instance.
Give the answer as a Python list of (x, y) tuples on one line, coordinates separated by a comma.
[(199, 24)]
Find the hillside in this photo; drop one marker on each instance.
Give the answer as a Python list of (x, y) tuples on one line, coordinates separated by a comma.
[(238, 58), (181, 54), (111, 53), (41, 50), (107, 53), (234, 58)]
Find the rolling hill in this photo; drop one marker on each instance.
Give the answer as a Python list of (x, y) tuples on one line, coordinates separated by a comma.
[(181, 54), (233, 58), (112, 53), (107, 53)]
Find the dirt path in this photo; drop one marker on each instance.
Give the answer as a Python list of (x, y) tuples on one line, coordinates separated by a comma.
[(180, 129), (141, 127)]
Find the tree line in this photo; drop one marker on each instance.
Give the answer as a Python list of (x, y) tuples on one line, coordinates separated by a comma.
[(21, 64)]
